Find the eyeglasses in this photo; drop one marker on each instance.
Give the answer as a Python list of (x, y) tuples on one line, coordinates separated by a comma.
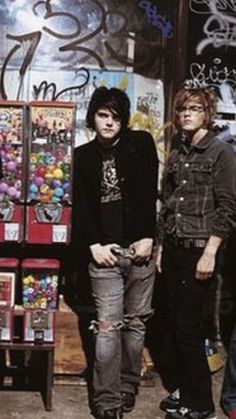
[(193, 110)]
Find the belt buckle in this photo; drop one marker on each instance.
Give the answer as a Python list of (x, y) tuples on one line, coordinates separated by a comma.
[(121, 251)]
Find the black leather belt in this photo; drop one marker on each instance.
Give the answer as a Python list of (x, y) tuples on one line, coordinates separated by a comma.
[(186, 243)]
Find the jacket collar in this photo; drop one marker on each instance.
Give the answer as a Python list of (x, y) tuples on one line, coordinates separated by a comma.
[(203, 144)]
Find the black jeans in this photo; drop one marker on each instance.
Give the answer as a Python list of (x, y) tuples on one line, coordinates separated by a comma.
[(184, 335)]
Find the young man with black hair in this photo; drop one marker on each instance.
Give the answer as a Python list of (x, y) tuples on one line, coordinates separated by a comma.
[(115, 190)]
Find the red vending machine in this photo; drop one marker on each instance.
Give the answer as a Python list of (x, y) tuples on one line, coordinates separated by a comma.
[(49, 174), (12, 144), (40, 278)]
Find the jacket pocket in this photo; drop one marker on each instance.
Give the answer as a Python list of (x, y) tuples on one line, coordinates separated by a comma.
[(201, 172)]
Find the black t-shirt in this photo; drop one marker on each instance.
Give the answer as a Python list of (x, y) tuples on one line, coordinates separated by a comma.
[(111, 214)]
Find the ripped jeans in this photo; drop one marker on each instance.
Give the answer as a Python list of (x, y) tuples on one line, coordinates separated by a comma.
[(122, 296)]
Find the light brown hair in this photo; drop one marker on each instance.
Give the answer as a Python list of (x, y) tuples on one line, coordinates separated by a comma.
[(202, 96)]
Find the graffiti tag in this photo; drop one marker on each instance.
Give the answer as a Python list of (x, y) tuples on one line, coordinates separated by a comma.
[(196, 5), (156, 19), (220, 27), (202, 76)]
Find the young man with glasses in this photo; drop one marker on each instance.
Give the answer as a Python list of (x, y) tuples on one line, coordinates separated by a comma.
[(198, 213), (115, 187)]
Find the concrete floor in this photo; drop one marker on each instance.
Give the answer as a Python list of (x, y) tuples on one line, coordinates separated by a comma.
[(70, 402)]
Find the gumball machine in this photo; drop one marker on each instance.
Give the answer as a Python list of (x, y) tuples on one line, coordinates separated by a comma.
[(39, 298), (12, 139), (49, 173)]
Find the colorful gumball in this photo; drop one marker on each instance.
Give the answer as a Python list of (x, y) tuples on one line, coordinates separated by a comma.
[(43, 283), (11, 192), (27, 280), (38, 180), (41, 171), (32, 168), (58, 173), (33, 188), (58, 192), (56, 183), (11, 166), (41, 159), (3, 187), (66, 186), (55, 200), (33, 158), (18, 194), (50, 160), (50, 168), (66, 176), (19, 160), (30, 290), (48, 177), (30, 298), (44, 188)]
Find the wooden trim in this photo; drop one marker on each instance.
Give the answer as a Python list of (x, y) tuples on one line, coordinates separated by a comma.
[(53, 104), (181, 41)]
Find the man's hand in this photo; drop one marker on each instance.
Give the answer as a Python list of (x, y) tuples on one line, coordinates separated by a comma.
[(103, 254), (206, 263), (205, 266), (142, 250)]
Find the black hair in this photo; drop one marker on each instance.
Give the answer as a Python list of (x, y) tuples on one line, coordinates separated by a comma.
[(114, 99)]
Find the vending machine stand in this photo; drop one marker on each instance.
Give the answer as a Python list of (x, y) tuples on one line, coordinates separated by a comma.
[(37, 351)]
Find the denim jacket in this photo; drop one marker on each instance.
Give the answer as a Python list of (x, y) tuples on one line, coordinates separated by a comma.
[(199, 195)]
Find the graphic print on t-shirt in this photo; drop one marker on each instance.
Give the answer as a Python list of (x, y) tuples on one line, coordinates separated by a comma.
[(110, 190)]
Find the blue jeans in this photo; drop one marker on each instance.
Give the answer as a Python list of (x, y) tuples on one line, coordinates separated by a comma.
[(228, 396), (122, 296)]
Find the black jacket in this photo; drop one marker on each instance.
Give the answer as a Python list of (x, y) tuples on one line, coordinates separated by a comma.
[(137, 167)]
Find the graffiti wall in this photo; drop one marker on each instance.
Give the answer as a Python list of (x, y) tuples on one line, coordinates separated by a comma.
[(211, 53), (62, 50), (52, 37)]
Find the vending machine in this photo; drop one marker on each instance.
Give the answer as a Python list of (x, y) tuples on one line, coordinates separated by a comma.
[(40, 278), (12, 183), (49, 172)]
